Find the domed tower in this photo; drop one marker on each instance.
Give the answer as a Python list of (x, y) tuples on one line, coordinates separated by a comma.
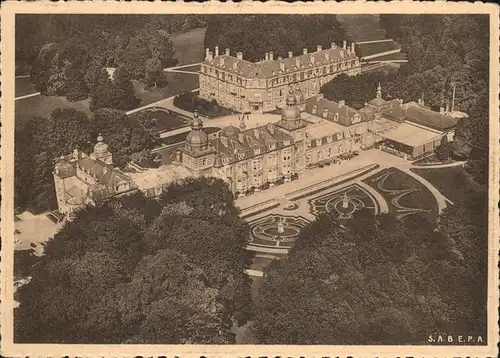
[(197, 153), (290, 115), (197, 139), (101, 151)]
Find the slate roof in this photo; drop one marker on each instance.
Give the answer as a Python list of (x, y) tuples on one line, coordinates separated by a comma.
[(250, 143), (345, 112), (268, 69), (426, 117)]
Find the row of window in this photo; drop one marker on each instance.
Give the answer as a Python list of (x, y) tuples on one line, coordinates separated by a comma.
[(294, 77)]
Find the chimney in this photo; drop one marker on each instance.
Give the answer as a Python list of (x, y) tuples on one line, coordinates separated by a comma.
[(241, 137), (227, 52), (342, 103), (334, 46), (304, 51), (344, 44), (256, 133), (267, 56), (282, 66), (216, 51), (352, 47), (290, 54), (319, 48), (239, 55), (271, 56), (280, 58)]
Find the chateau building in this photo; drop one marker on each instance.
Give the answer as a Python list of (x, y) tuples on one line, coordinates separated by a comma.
[(81, 179), (310, 132), (262, 86)]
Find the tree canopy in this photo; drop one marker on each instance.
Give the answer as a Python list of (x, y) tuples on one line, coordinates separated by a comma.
[(64, 51), (256, 34), (41, 140), (379, 280), (137, 270)]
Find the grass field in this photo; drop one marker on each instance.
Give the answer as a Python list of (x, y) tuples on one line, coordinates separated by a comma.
[(451, 182), (177, 83), (188, 46), (421, 199), (362, 27), (43, 106), (24, 87)]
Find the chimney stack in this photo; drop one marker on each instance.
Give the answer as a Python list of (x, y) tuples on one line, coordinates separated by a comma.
[(290, 54), (239, 55), (304, 51), (271, 56), (227, 52), (216, 51), (319, 48), (334, 46), (352, 47), (267, 56)]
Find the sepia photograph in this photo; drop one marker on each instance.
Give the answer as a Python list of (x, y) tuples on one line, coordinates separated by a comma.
[(258, 177)]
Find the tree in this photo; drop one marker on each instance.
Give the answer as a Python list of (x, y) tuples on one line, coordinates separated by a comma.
[(125, 272), (443, 151), (123, 93)]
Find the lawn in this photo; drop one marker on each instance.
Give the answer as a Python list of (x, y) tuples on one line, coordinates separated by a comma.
[(43, 106), (23, 87), (188, 46), (163, 119), (177, 83), (451, 182), (394, 185)]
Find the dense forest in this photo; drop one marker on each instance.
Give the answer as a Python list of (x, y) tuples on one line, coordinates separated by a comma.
[(41, 140), (444, 51), (254, 35), (377, 280), (137, 270), (67, 54)]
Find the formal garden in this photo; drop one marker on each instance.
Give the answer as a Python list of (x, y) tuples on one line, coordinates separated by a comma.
[(404, 194)]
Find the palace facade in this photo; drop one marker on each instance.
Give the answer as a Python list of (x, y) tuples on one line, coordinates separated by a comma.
[(262, 86), (310, 132)]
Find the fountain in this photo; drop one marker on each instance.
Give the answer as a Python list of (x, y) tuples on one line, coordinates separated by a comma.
[(281, 225), (345, 201)]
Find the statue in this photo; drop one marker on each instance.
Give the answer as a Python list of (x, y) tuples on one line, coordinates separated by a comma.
[(281, 225), (345, 201)]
